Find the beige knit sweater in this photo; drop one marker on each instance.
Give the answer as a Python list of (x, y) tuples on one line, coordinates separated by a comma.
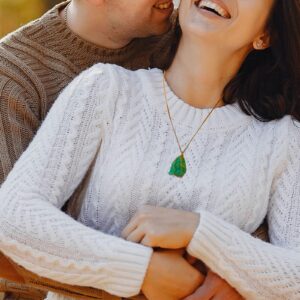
[(38, 61)]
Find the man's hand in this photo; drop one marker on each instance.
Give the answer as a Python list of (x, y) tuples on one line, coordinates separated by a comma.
[(162, 227), (215, 288), (170, 276), (8, 271)]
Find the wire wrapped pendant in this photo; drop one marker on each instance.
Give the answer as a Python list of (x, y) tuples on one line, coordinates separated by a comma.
[(178, 167)]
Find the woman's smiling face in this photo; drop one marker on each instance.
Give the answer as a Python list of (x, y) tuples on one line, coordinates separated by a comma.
[(231, 24)]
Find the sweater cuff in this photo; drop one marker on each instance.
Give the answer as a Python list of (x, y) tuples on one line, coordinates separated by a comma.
[(226, 250), (210, 237), (128, 267)]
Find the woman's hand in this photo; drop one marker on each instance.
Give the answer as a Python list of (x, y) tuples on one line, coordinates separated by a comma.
[(162, 227), (215, 288), (170, 276)]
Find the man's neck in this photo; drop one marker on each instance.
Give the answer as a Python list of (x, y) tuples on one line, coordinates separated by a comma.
[(92, 27)]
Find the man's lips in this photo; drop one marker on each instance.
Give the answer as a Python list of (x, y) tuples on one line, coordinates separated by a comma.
[(164, 4)]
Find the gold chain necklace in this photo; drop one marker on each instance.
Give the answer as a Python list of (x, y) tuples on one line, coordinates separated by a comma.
[(178, 167)]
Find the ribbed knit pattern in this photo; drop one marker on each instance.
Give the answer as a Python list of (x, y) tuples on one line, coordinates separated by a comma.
[(239, 171)]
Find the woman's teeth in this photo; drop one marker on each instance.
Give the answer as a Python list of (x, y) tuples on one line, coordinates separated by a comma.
[(211, 6), (165, 5)]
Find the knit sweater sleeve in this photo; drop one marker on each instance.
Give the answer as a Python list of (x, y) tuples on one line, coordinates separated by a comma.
[(19, 120), (33, 230), (259, 270)]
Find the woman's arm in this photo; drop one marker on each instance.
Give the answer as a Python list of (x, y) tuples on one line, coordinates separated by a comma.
[(259, 270), (33, 230)]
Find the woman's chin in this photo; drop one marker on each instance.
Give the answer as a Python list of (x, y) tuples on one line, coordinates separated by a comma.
[(203, 21)]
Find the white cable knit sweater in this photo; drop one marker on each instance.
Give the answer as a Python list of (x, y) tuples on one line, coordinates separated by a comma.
[(238, 171)]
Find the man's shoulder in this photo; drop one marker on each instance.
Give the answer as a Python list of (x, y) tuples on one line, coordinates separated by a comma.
[(30, 44), (13, 69), (24, 32), (38, 27), (19, 49)]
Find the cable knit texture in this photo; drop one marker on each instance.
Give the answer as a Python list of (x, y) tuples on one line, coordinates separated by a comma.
[(38, 60), (239, 171)]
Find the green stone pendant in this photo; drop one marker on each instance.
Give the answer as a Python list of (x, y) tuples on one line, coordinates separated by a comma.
[(178, 167)]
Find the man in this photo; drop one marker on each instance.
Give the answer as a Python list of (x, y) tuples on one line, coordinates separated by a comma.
[(41, 58)]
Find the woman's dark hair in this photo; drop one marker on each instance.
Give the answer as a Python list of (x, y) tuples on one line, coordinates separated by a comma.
[(267, 85)]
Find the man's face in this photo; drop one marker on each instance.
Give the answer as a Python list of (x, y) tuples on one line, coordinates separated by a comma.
[(140, 18)]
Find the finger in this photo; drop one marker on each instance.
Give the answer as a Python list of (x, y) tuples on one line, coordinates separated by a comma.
[(179, 252), (221, 297), (136, 235), (225, 294), (146, 241), (199, 297), (208, 289), (202, 293), (131, 226), (200, 266), (190, 259)]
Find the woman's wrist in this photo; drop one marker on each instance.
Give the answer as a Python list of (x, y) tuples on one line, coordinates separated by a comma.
[(193, 221)]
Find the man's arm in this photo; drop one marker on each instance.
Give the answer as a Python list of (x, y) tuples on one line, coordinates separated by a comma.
[(19, 120), (27, 282), (18, 123), (20, 109)]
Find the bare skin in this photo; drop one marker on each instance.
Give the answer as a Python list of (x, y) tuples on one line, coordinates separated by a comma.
[(216, 288), (170, 276), (212, 50), (173, 229), (113, 24)]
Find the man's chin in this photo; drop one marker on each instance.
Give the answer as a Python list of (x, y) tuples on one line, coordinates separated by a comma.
[(159, 30), (167, 24)]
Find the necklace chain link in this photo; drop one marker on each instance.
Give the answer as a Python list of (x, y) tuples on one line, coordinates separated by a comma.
[(182, 151)]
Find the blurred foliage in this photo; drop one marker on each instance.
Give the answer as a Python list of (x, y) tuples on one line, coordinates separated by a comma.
[(15, 13)]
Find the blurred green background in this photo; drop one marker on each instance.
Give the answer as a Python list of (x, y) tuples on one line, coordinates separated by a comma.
[(15, 13)]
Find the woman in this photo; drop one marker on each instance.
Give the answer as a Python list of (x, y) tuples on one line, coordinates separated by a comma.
[(180, 160)]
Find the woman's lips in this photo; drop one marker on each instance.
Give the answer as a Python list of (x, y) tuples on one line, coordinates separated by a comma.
[(214, 6)]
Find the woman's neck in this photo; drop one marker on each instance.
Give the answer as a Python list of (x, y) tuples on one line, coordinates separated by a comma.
[(199, 74)]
